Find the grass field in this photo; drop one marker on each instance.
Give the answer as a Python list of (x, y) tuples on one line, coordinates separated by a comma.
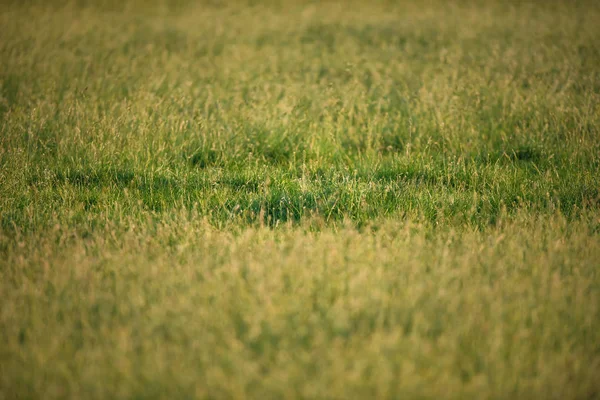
[(289, 199)]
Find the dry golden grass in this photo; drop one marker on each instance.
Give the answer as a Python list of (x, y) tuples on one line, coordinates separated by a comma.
[(180, 309)]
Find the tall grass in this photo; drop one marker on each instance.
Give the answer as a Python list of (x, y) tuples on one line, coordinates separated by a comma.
[(301, 200)]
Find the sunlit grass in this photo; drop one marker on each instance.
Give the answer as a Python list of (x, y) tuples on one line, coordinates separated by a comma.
[(299, 200)]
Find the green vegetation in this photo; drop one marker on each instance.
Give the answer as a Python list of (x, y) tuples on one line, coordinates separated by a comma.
[(289, 199)]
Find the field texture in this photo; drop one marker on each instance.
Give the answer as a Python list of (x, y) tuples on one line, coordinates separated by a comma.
[(286, 199)]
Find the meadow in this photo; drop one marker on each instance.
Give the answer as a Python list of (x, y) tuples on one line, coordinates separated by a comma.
[(295, 199)]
